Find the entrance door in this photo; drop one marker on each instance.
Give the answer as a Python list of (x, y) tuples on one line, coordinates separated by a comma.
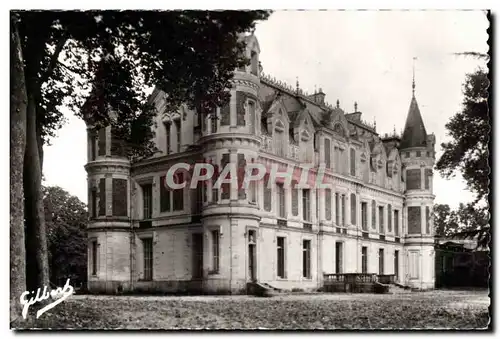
[(197, 255), (252, 252), (396, 265)]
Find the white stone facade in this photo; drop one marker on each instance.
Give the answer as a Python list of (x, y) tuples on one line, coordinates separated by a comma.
[(216, 241)]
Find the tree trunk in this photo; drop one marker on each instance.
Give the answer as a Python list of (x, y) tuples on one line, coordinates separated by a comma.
[(18, 102), (37, 266)]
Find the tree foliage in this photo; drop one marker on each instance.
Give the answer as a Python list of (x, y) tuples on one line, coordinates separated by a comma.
[(66, 219), (468, 153), (470, 129), (467, 221)]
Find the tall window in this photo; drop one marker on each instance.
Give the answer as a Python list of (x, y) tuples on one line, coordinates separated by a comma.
[(102, 196), (94, 257), (364, 216), (178, 194), (328, 204), (338, 257), (328, 162), (213, 121), (93, 198), (215, 251), (167, 137), (374, 214), (281, 200), (381, 218), (147, 245), (306, 259), (389, 218), (251, 111), (396, 222), (364, 259), (337, 209), (147, 201), (343, 209), (295, 201), (353, 209), (92, 141), (164, 195), (267, 195), (178, 133), (199, 198), (278, 142), (281, 257), (306, 208), (254, 63), (353, 162), (120, 197), (381, 261)]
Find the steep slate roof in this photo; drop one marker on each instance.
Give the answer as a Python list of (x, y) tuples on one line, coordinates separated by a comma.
[(414, 134)]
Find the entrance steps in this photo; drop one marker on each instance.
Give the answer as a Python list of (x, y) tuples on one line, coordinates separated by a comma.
[(261, 289)]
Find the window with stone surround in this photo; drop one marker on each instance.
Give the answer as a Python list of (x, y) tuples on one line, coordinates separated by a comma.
[(339, 257), (337, 209), (94, 256), (267, 195), (364, 216), (101, 143), (306, 259), (344, 211), (168, 145), (389, 218), (327, 150), (215, 234), (178, 194), (414, 220), (306, 204), (147, 245), (280, 242), (178, 132), (165, 195), (381, 219), (353, 162), (147, 201), (280, 192), (295, 201), (102, 197), (353, 209), (364, 259), (396, 223), (374, 214), (328, 204), (120, 197)]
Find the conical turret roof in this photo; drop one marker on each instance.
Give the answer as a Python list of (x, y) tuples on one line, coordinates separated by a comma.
[(414, 134)]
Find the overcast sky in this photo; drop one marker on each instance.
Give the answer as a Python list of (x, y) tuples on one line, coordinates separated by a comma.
[(363, 56)]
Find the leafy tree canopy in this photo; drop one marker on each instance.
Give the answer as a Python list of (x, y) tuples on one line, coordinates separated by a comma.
[(470, 129), (66, 221), (115, 55)]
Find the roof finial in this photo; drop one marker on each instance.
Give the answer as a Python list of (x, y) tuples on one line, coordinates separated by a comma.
[(355, 106), (338, 103), (297, 85), (315, 91), (413, 82), (375, 123), (394, 130)]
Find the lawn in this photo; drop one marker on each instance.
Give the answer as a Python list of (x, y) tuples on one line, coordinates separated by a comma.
[(412, 310)]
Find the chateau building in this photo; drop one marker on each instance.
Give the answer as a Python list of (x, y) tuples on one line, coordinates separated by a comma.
[(376, 218)]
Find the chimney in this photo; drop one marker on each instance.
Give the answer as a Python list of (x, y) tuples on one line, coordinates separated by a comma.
[(319, 97)]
